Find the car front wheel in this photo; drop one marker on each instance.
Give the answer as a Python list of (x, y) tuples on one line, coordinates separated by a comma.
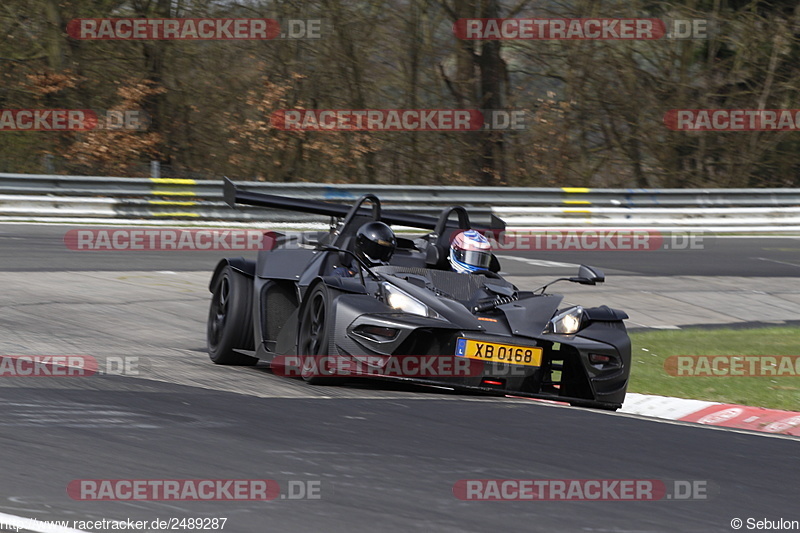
[(312, 341)]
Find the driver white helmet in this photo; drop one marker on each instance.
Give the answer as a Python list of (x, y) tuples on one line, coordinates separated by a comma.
[(470, 252)]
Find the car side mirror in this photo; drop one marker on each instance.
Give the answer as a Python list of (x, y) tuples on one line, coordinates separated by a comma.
[(589, 276)]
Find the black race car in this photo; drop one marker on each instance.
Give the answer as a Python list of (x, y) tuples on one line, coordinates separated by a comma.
[(411, 319)]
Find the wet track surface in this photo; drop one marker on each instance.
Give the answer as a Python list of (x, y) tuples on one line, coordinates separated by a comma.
[(386, 456)]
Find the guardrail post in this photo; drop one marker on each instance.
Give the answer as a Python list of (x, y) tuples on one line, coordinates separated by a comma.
[(48, 161), (155, 169)]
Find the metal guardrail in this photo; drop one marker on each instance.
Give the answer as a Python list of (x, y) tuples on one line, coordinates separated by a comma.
[(504, 196), (26, 196)]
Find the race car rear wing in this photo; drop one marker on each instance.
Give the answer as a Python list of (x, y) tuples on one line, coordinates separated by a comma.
[(234, 196)]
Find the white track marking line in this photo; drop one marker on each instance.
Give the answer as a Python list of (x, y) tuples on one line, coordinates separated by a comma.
[(776, 261), (10, 521), (757, 237), (538, 262)]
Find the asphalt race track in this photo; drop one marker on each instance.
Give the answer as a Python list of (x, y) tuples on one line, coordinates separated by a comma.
[(383, 456), (767, 256), (384, 464)]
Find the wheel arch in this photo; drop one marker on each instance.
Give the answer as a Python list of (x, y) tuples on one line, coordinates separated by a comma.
[(239, 264)]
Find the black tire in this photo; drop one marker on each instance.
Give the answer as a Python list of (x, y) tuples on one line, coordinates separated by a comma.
[(312, 337), (230, 319)]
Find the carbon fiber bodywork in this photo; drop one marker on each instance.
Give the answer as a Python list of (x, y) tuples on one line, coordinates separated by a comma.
[(589, 367)]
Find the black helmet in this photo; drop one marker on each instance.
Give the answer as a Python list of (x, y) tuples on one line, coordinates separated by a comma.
[(375, 242)]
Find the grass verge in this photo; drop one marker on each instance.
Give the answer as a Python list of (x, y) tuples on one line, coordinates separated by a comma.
[(651, 349)]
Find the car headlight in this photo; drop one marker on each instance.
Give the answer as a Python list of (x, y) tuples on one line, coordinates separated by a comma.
[(402, 301), (566, 323)]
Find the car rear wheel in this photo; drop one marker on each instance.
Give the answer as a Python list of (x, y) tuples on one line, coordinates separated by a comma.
[(230, 319), (312, 340)]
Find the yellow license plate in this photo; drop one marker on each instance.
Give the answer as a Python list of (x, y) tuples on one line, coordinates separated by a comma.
[(499, 353)]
